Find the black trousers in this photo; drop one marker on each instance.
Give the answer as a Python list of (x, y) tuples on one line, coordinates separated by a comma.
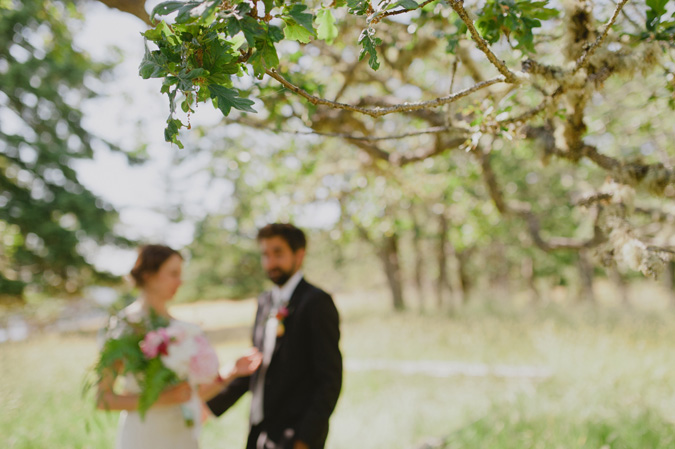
[(253, 436), (255, 441)]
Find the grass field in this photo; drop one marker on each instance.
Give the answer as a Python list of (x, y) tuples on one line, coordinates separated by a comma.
[(611, 383)]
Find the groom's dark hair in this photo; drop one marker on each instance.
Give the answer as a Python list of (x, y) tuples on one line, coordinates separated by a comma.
[(293, 236)]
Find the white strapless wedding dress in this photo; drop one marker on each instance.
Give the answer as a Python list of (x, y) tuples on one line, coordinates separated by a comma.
[(161, 428)]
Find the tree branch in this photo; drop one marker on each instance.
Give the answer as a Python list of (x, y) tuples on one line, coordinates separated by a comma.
[(458, 6), (524, 212), (434, 130), (444, 142), (527, 115), (346, 136), (441, 146), (133, 7), (381, 111), (400, 160), (583, 60), (378, 17), (590, 200), (656, 215), (651, 177)]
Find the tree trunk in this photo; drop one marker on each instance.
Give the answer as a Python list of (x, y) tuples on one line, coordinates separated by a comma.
[(620, 284), (527, 272), (419, 259), (442, 283), (585, 278), (669, 280), (465, 283), (498, 271), (392, 268)]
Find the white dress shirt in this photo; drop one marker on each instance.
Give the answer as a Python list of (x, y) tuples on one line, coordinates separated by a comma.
[(280, 297)]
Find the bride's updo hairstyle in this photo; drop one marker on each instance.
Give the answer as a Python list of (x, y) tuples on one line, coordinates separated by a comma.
[(150, 259)]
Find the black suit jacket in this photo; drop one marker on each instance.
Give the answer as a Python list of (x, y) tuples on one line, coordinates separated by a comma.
[(304, 378)]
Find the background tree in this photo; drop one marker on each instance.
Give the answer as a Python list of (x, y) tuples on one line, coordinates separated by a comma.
[(483, 77), (48, 220), (423, 55)]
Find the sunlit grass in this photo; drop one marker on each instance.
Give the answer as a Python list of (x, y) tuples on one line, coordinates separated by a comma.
[(611, 382)]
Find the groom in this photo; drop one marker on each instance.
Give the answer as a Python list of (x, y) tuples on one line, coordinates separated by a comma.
[(297, 330)]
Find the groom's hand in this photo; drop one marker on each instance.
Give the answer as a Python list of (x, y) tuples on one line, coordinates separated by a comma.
[(300, 445), (248, 364)]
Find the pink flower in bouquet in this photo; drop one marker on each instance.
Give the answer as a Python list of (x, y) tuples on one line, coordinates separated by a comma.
[(203, 363), (190, 355), (155, 342)]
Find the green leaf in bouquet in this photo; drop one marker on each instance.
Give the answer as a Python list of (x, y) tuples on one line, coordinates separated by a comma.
[(155, 320), (124, 349), (156, 378)]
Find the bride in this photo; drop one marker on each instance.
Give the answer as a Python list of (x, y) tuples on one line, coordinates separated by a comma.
[(158, 274)]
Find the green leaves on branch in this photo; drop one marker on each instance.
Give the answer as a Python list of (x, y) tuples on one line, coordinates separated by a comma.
[(407, 4), (265, 55), (358, 7), (454, 38), (187, 11), (299, 25), (297, 13), (171, 131), (226, 99), (211, 41), (325, 26), (659, 26), (197, 56), (368, 41), (514, 19)]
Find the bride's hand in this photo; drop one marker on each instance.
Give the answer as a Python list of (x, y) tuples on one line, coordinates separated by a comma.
[(175, 395), (247, 364)]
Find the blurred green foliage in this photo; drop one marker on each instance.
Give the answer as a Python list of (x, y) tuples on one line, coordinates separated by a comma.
[(48, 219)]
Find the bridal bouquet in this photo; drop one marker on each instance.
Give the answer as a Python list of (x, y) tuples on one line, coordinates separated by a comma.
[(159, 353)]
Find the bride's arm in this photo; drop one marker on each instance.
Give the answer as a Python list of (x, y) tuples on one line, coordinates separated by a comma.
[(107, 399), (210, 390), (244, 366)]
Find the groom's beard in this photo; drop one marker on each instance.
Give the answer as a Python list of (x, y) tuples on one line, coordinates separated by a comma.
[(280, 276)]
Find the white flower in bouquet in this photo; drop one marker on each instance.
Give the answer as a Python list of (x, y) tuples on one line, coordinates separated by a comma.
[(190, 355)]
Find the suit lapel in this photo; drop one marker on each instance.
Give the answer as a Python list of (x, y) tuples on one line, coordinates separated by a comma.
[(297, 294), (293, 303)]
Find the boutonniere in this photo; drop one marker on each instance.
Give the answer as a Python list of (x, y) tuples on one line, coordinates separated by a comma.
[(282, 313)]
